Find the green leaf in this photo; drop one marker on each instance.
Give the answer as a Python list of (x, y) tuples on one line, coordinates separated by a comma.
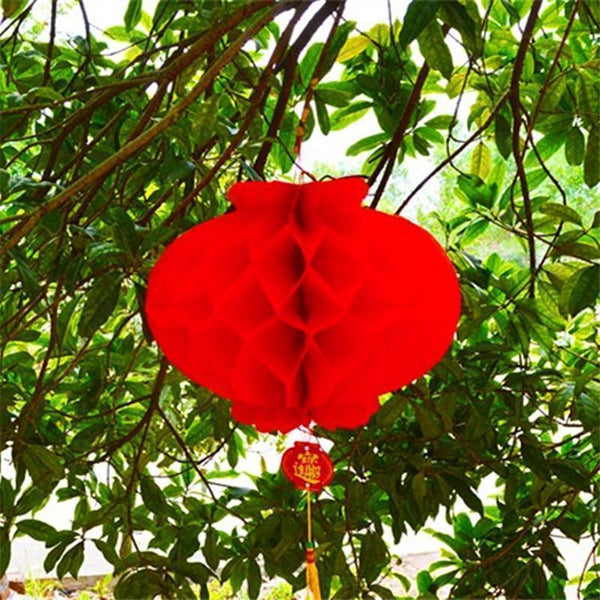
[(145, 583), (337, 43), (133, 14), (368, 143), (419, 487), (457, 16), (353, 47), (591, 162), (570, 472), (440, 122), (10, 8), (578, 250), (480, 160), (71, 562), (476, 190), (43, 466), (424, 582), (343, 117), (587, 97), (38, 530), (465, 492), (322, 116), (254, 578), (427, 422), (534, 458), (574, 146), (121, 34), (100, 303), (4, 549), (54, 554), (29, 500), (580, 291), (563, 212), (27, 276), (108, 551), (7, 498), (309, 61), (153, 496), (502, 135), (382, 592), (204, 119), (418, 15), (332, 96), (434, 49), (196, 571), (474, 230), (463, 528), (210, 549), (373, 556), (124, 230)]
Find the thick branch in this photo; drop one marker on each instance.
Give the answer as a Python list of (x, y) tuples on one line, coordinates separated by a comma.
[(314, 80), (141, 142), (515, 103), (388, 157), (290, 63), (46, 77), (257, 99)]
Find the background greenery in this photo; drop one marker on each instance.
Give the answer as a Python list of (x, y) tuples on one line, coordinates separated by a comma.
[(109, 155)]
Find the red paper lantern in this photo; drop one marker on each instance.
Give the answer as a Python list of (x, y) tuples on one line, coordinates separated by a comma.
[(303, 306), (307, 466)]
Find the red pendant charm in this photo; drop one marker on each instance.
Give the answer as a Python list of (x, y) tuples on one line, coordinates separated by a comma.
[(307, 466)]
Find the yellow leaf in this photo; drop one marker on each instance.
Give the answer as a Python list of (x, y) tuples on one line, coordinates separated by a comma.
[(480, 160), (353, 47)]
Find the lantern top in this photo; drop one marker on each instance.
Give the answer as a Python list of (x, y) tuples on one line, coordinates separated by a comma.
[(257, 196)]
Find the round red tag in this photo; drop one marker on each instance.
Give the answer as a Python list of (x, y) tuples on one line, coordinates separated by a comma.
[(307, 466)]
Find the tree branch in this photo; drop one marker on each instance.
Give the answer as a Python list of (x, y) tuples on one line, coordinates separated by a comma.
[(515, 103), (390, 153), (290, 62), (453, 155), (133, 147), (46, 77)]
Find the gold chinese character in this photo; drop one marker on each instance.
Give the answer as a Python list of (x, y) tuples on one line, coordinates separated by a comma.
[(307, 468)]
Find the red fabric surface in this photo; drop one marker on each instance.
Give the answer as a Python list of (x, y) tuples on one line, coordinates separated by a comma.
[(302, 305)]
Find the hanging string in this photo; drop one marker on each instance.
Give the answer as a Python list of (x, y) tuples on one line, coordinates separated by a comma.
[(312, 574), (309, 517)]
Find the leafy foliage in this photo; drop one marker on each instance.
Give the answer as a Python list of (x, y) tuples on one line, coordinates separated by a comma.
[(107, 156)]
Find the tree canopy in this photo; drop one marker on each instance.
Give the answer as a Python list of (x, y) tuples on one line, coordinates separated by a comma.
[(108, 154)]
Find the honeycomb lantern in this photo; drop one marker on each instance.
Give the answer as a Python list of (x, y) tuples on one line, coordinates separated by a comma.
[(302, 305)]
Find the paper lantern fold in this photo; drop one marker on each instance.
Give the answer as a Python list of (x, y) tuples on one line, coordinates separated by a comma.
[(303, 306)]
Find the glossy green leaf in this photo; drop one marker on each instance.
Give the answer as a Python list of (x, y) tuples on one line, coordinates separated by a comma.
[(591, 161), (435, 50), (100, 303), (574, 146), (581, 290), (418, 15), (133, 14), (153, 496), (43, 465), (254, 579)]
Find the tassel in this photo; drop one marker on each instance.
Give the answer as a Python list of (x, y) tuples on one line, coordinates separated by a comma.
[(312, 573)]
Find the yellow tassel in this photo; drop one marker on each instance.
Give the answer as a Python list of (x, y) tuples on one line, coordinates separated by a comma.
[(312, 573)]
